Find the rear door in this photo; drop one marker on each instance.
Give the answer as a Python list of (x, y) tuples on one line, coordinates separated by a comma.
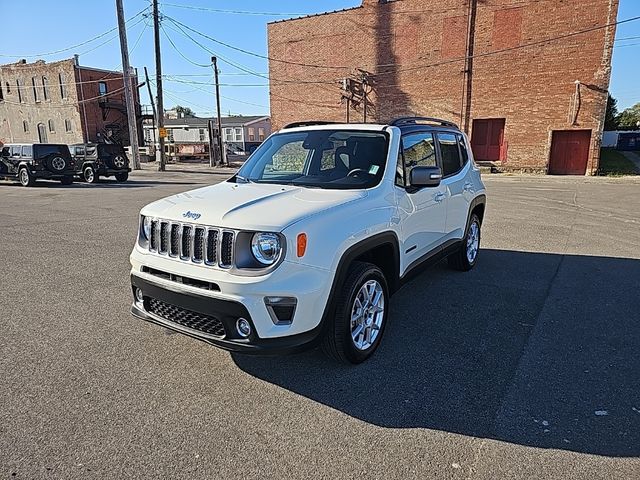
[(455, 169), (423, 211)]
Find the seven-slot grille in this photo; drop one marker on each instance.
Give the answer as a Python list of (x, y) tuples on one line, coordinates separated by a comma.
[(194, 320), (192, 243)]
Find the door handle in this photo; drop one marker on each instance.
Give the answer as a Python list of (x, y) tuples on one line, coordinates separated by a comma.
[(468, 187), (439, 197)]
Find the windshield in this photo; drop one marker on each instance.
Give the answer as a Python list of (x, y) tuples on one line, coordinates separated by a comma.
[(42, 151), (338, 159)]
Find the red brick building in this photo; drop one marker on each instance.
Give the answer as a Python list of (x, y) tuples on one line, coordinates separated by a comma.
[(532, 98), (63, 102)]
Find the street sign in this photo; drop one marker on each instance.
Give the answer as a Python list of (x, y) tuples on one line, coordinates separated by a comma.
[(163, 132)]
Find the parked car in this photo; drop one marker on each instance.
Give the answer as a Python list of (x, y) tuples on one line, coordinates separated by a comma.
[(306, 243), (95, 160), (28, 162)]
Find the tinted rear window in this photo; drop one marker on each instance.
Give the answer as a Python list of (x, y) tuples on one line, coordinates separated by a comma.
[(41, 151)]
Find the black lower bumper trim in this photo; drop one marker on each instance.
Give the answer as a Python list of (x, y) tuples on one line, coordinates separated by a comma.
[(228, 312)]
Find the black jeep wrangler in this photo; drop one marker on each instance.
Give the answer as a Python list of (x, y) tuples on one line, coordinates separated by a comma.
[(95, 160), (28, 162)]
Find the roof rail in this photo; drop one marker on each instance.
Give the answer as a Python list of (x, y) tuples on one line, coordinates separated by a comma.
[(308, 123), (414, 121)]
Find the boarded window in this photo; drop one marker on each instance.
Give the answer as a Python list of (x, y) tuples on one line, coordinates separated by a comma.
[(407, 42), (34, 85), (63, 88), (507, 28), (67, 126), (52, 127), (454, 37), (45, 88)]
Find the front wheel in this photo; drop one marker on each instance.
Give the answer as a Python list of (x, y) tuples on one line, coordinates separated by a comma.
[(466, 257), (360, 315), (26, 177), (89, 175), (122, 177)]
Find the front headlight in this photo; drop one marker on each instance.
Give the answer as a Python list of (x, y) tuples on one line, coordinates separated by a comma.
[(266, 248), (146, 228)]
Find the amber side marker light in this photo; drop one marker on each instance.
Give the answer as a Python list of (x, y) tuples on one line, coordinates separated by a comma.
[(302, 244)]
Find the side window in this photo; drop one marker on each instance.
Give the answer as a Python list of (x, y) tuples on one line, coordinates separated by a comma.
[(79, 150), (27, 151), (15, 151), (418, 150), (400, 169), (463, 150), (449, 153)]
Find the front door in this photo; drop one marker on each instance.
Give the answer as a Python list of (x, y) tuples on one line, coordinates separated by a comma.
[(422, 212), (42, 133)]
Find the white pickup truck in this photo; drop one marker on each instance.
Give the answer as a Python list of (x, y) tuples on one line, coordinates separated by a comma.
[(306, 243)]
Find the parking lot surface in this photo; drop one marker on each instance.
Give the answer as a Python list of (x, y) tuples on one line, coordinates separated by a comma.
[(526, 367)]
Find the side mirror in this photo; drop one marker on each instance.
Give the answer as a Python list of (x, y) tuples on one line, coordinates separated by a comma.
[(425, 177)]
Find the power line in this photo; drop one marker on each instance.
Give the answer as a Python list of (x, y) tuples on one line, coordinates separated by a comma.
[(180, 53), (235, 12), (72, 47)]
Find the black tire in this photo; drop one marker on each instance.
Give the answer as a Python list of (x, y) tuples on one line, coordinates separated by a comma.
[(26, 177), (89, 174), (338, 342), (460, 260), (122, 177), (66, 180)]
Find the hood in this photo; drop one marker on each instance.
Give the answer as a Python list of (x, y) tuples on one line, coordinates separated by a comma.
[(249, 206)]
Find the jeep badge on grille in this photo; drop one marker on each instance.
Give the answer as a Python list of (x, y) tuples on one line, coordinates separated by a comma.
[(191, 215)]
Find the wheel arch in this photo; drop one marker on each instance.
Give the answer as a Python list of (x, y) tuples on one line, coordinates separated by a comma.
[(382, 250)]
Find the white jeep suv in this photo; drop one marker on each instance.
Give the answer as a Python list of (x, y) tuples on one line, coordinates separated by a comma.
[(306, 243)]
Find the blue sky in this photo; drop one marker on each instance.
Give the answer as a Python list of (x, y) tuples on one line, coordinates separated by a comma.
[(241, 30)]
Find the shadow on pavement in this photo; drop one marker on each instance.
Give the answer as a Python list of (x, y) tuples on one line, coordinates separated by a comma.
[(529, 348)]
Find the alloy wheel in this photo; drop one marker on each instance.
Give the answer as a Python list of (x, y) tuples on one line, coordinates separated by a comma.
[(367, 314), (473, 241)]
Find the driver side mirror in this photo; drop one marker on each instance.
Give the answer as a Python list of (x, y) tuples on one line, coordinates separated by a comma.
[(425, 177)]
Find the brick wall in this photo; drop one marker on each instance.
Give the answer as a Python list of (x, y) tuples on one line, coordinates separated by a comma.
[(415, 51)]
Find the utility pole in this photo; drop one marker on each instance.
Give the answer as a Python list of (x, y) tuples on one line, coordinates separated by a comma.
[(160, 158), (153, 107), (128, 91), (223, 156), (346, 96), (468, 67)]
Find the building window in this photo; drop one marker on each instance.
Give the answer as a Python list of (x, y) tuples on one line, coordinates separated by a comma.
[(102, 88), (228, 135), (34, 85), (63, 89), (45, 87), (201, 134), (8, 87), (170, 132), (252, 134), (52, 127), (1, 94), (20, 92), (25, 126), (67, 125), (261, 134), (238, 134)]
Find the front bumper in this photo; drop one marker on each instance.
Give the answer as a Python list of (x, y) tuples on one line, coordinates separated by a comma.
[(224, 310)]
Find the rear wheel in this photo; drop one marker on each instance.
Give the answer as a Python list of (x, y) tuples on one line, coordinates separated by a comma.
[(89, 175), (360, 315), (26, 177), (122, 177), (466, 257)]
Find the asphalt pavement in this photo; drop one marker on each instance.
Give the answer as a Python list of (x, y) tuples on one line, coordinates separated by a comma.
[(526, 367)]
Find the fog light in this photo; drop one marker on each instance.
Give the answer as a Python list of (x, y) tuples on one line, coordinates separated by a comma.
[(139, 296), (244, 327)]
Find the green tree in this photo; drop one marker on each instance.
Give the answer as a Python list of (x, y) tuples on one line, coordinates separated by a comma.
[(186, 111), (611, 117), (629, 119)]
